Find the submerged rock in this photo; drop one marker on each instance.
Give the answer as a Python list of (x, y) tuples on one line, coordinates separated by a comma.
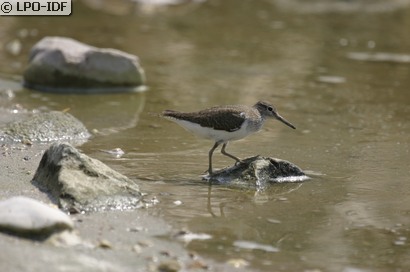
[(79, 183), (46, 127), (258, 172), (59, 64), (27, 217)]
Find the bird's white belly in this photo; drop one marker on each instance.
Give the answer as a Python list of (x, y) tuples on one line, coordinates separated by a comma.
[(216, 135)]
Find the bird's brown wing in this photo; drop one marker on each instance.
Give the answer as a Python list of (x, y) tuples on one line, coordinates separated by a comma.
[(227, 119)]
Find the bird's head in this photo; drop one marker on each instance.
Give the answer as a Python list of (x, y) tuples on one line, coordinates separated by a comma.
[(267, 110)]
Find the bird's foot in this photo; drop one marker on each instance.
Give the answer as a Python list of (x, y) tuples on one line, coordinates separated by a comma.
[(238, 162), (208, 171)]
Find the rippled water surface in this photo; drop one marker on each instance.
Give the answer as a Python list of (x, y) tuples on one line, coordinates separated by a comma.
[(338, 70)]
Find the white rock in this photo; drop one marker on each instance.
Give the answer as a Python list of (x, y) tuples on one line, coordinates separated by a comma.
[(25, 216)]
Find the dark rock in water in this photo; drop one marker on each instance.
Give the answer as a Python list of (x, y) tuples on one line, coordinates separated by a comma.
[(27, 217), (78, 183), (46, 127), (59, 64), (258, 172)]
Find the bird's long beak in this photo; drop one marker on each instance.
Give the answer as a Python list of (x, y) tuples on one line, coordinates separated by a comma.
[(283, 120)]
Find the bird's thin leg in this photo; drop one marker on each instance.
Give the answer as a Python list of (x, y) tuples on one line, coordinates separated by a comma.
[(210, 156), (229, 155)]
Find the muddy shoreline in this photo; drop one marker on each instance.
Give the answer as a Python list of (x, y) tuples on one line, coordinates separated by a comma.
[(132, 240)]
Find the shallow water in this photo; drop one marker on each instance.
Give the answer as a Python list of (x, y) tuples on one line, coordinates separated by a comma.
[(351, 114)]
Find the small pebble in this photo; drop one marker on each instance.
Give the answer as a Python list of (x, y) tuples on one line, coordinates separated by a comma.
[(135, 229), (273, 221), (165, 253), (238, 263), (198, 265), (187, 236), (105, 244), (177, 202), (169, 266), (137, 249), (145, 243)]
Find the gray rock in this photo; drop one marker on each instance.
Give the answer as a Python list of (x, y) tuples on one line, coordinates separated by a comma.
[(257, 173), (59, 64), (78, 183), (27, 217), (46, 127)]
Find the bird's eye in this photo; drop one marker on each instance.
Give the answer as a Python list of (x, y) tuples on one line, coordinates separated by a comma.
[(270, 109)]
